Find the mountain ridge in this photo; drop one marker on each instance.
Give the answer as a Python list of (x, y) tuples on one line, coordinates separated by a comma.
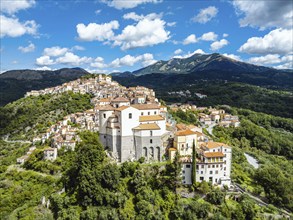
[(15, 83)]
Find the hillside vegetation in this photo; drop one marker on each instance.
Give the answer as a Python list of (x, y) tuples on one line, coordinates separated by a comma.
[(279, 103), (29, 116)]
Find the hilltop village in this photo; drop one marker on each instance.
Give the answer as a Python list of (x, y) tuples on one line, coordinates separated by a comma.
[(132, 124)]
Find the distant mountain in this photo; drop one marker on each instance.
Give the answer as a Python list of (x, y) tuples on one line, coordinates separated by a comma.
[(15, 83), (210, 67)]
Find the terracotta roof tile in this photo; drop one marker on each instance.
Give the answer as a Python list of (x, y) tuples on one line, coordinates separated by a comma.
[(145, 106), (151, 118), (151, 126), (211, 144), (213, 154), (185, 133)]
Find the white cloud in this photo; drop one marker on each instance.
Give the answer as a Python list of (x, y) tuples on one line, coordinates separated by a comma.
[(98, 11), (44, 61), (12, 27), (233, 56), (171, 24), (55, 51), (99, 32), (278, 41), (189, 54), (178, 51), (285, 62), (11, 7), (265, 14), (205, 15), (119, 4), (30, 48), (43, 68), (77, 47), (128, 60), (191, 39), (98, 63), (71, 59), (136, 17), (219, 44), (149, 31), (225, 35), (210, 36)]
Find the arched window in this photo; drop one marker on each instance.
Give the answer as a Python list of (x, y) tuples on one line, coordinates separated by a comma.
[(158, 153), (152, 152), (145, 152)]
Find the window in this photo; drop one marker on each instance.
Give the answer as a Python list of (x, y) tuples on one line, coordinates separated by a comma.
[(225, 150), (141, 113), (182, 146), (104, 115), (151, 141), (202, 166), (187, 166), (183, 171), (217, 166), (201, 178), (149, 113), (201, 172), (151, 133), (213, 166), (209, 166), (214, 150), (197, 167), (211, 172), (217, 172), (155, 112), (130, 115), (224, 168)]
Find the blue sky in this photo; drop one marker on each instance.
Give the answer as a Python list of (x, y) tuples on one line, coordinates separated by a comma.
[(111, 35)]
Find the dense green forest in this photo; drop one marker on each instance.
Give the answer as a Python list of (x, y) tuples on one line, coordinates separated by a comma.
[(86, 184), (270, 140), (29, 116), (97, 188), (236, 94)]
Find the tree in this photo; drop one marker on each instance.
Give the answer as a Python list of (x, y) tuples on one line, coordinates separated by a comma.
[(216, 196), (193, 163)]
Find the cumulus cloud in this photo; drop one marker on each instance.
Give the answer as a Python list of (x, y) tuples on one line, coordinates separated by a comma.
[(30, 48), (269, 59), (44, 61), (136, 17), (12, 27), (191, 39), (98, 63), (178, 51), (128, 60), (55, 51), (233, 56), (265, 14), (99, 32), (205, 15), (71, 59), (277, 41), (225, 35), (43, 68), (77, 47), (210, 36), (189, 54), (219, 44), (119, 4), (171, 24), (11, 7), (148, 31)]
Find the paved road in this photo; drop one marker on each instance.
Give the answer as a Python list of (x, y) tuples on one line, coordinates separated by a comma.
[(251, 160)]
